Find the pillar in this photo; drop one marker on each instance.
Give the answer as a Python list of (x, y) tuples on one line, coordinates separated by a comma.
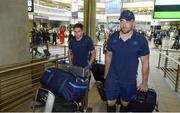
[(90, 18), (14, 43), (93, 20), (86, 16)]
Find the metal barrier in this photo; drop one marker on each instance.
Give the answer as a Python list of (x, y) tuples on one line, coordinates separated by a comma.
[(98, 49), (169, 63), (19, 83), (65, 47)]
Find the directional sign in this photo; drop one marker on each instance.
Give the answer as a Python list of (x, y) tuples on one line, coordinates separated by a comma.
[(30, 5), (74, 9)]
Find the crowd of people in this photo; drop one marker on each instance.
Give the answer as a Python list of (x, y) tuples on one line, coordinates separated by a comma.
[(44, 36)]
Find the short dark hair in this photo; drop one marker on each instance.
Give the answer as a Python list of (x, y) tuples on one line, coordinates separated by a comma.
[(78, 25)]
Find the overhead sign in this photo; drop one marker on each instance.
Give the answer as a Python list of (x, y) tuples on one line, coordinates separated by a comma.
[(30, 5), (74, 9), (39, 18), (112, 6)]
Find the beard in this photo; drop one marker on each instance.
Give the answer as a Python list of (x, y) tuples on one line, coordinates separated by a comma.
[(125, 30)]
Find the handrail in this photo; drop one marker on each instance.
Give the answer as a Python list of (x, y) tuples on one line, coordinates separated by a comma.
[(21, 63), (67, 45), (33, 64), (168, 65), (171, 58), (25, 78), (62, 45), (170, 50), (97, 45)]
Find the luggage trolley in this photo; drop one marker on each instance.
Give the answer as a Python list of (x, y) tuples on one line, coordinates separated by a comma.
[(57, 103), (82, 72)]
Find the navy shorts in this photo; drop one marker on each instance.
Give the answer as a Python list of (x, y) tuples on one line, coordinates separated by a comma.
[(114, 90)]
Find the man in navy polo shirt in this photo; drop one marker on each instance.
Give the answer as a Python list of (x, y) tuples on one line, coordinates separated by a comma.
[(123, 50), (80, 48)]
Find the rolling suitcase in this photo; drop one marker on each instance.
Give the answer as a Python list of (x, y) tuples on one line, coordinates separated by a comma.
[(98, 71)]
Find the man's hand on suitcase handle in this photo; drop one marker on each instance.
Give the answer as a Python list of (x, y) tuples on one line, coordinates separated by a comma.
[(143, 87)]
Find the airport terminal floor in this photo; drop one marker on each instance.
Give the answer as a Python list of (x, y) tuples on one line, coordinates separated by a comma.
[(168, 99)]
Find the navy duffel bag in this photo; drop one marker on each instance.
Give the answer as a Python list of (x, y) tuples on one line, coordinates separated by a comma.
[(65, 84), (144, 101)]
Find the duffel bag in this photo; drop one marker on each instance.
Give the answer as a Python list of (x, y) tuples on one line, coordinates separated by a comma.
[(144, 101), (65, 84)]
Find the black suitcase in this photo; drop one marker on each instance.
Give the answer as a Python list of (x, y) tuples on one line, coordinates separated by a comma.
[(98, 71)]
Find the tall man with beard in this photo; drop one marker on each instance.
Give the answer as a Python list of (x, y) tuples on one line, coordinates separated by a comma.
[(123, 50)]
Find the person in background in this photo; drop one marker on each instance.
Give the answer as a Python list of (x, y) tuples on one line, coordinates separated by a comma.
[(70, 37), (54, 38), (123, 50), (176, 44), (61, 35), (36, 41), (98, 36), (80, 47)]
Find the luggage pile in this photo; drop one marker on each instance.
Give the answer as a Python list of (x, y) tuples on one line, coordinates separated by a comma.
[(69, 85)]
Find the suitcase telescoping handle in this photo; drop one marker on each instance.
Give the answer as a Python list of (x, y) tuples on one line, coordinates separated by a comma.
[(141, 96)]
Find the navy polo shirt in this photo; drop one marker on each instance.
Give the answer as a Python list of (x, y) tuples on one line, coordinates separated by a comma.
[(81, 50), (125, 54)]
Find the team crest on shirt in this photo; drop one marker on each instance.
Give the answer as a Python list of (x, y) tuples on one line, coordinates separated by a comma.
[(135, 43), (114, 41)]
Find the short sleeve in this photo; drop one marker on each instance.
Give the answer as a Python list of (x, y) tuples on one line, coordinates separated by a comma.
[(90, 44), (144, 48), (109, 44)]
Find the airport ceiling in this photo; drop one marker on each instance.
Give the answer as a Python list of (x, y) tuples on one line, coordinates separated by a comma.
[(52, 3), (67, 6)]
